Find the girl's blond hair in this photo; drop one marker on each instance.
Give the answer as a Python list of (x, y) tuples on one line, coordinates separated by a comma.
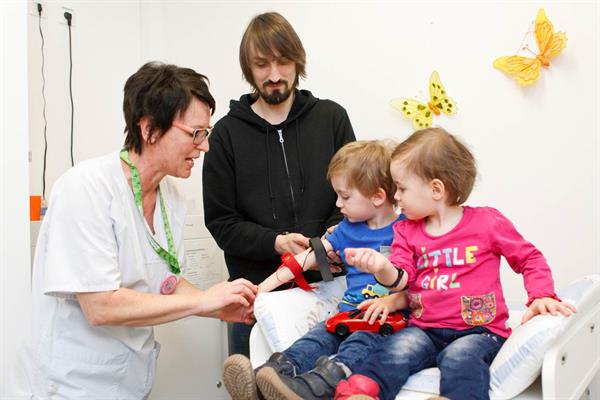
[(433, 153)]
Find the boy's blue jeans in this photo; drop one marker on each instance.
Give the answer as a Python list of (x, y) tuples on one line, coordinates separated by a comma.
[(317, 342), (463, 357)]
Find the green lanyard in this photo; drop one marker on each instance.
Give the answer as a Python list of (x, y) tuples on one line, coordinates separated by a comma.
[(169, 256)]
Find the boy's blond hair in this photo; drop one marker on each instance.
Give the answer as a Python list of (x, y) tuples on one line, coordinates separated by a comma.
[(433, 153), (366, 166)]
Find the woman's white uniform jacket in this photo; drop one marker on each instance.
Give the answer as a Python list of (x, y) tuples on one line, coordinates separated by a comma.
[(93, 239)]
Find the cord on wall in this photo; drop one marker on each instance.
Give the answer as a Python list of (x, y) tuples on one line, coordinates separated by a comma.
[(39, 10), (69, 17)]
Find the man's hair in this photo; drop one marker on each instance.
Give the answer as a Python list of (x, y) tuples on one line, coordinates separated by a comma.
[(433, 153), (272, 35), (160, 91), (366, 166)]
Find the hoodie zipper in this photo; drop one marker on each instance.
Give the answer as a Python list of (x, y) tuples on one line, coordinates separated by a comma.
[(287, 171)]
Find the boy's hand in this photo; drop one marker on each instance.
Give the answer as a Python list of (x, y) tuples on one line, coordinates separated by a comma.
[(547, 305), (367, 260)]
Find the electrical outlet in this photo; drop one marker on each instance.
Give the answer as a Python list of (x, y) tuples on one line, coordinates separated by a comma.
[(61, 16), (33, 10)]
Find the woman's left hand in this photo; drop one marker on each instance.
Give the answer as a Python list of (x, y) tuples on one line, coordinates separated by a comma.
[(547, 305)]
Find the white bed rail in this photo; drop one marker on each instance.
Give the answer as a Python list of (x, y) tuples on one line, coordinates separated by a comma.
[(573, 361)]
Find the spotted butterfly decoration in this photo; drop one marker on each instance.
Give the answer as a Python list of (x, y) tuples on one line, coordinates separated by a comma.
[(527, 70), (421, 114)]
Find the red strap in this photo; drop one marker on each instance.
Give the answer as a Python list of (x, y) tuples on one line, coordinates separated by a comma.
[(289, 261)]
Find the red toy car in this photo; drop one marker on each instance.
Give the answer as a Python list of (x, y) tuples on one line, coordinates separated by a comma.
[(350, 321)]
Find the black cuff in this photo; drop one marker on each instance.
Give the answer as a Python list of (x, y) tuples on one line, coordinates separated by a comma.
[(396, 282), (321, 255)]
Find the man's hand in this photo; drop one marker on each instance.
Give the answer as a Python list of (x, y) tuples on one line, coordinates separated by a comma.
[(292, 242), (547, 305)]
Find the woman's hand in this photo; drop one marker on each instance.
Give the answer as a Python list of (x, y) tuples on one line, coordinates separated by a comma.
[(547, 305), (229, 301)]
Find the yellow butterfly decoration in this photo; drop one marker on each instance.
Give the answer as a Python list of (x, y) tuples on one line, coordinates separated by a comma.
[(421, 114), (527, 70)]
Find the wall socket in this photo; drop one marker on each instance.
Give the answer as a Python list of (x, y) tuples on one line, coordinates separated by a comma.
[(32, 8), (61, 16)]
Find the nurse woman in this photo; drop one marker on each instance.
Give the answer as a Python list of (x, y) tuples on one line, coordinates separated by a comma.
[(110, 259)]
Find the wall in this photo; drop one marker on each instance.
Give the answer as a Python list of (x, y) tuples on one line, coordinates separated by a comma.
[(537, 147), (106, 50), (14, 232)]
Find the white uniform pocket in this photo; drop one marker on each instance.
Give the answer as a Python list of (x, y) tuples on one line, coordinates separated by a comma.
[(82, 373)]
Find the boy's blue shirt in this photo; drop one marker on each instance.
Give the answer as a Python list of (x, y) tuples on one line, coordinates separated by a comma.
[(361, 285)]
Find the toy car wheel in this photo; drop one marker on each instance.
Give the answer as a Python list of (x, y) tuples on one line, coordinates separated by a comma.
[(386, 330), (367, 296), (342, 330)]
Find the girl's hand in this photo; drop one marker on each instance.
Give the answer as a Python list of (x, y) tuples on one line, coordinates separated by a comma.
[(367, 260), (547, 305), (377, 307)]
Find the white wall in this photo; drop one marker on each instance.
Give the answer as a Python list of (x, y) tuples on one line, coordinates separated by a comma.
[(537, 147), (106, 51), (14, 206)]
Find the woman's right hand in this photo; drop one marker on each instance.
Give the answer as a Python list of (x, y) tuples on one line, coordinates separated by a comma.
[(229, 301)]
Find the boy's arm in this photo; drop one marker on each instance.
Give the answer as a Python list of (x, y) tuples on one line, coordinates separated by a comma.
[(283, 274)]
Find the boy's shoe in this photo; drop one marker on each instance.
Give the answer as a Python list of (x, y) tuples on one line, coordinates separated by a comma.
[(240, 378), (357, 387), (316, 384)]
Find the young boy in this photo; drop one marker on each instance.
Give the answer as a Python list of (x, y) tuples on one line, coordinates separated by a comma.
[(359, 174)]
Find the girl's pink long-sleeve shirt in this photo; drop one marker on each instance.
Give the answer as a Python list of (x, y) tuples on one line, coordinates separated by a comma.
[(454, 279)]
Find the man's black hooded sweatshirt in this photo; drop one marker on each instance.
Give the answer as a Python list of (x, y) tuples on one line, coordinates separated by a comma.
[(261, 180)]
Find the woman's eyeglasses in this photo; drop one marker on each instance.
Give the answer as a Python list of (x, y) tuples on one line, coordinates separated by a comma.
[(198, 135)]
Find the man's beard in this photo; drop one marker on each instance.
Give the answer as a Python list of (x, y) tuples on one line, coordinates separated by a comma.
[(276, 96)]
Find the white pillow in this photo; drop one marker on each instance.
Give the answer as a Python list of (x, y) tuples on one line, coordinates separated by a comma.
[(519, 361), (286, 315)]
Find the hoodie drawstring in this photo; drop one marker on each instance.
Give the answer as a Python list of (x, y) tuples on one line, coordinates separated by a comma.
[(271, 195), (299, 153)]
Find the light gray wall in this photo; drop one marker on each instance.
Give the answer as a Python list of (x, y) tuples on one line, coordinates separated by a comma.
[(14, 206), (537, 147)]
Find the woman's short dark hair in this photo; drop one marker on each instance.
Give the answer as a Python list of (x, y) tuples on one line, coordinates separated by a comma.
[(160, 91), (272, 35)]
